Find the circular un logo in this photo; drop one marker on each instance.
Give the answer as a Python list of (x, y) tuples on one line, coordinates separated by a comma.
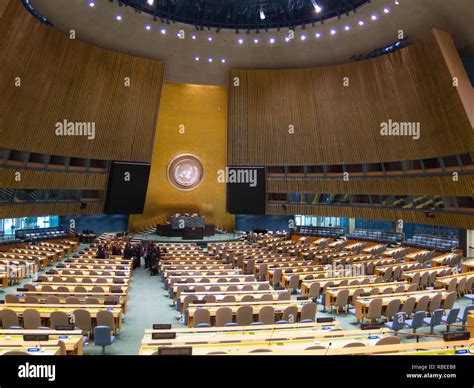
[(185, 172)]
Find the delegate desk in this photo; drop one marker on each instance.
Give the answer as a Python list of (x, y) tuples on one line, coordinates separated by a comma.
[(238, 296), (410, 274), (445, 280), (71, 338), (443, 260), (81, 280), (416, 348), (121, 297), (33, 351), (89, 273), (468, 265), (58, 253), (248, 330), (217, 287), (404, 266), (172, 280), (281, 341), (88, 286), (278, 305), (41, 259), (332, 292), (199, 272), (46, 310), (323, 282), (95, 267), (362, 304)]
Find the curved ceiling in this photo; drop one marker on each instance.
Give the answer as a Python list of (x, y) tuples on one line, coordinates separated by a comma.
[(245, 14), (204, 56)]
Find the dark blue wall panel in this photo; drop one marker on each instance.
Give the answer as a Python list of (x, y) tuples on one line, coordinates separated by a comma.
[(99, 223), (249, 222)]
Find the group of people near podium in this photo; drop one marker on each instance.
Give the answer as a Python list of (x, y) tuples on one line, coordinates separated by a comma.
[(151, 254)]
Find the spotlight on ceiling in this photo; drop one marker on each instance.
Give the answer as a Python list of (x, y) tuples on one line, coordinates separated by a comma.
[(92, 4), (271, 40), (196, 59), (316, 6), (150, 2), (333, 32), (361, 23), (240, 41), (262, 14), (118, 17), (374, 17), (347, 28), (317, 35)]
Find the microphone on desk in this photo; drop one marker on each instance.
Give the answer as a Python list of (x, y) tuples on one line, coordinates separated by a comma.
[(327, 350)]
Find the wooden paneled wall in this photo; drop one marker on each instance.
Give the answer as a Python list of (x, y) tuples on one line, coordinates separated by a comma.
[(310, 117), (58, 209), (444, 186), (65, 79), (462, 221), (31, 179)]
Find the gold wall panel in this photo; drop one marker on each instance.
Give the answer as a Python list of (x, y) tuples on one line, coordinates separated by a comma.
[(201, 111)]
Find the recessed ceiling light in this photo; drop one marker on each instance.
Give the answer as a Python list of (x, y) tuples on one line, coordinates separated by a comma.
[(148, 27), (386, 10), (163, 31), (196, 59), (287, 39), (209, 38), (333, 32), (118, 17), (361, 23), (92, 4), (240, 41), (272, 40), (256, 40), (150, 2), (347, 28), (223, 60), (209, 59), (316, 6), (193, 37), (303, 37), (397, 2), (317, 35), (374, 17)]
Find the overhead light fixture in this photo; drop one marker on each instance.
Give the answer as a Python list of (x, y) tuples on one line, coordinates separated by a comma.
[(333, 32), (317, 35), (361, 23), (163, 31), (147, 27), (386, 10), (271, 40), (150, 2), (223, 60), (196, 59), (118, 17), (240, 41), (347, 28), (316, 6), (262, 14), (287, 39), (303, 37), (209, 60), (193, 37), (374, 17), (209, 38), (256, 40), (92, 4)]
